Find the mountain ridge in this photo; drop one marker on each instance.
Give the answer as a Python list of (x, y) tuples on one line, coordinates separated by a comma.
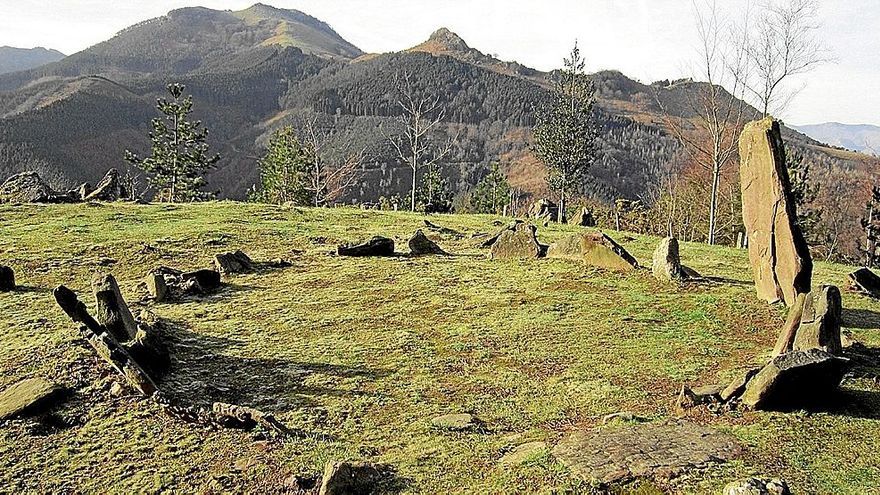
[(13, 59)]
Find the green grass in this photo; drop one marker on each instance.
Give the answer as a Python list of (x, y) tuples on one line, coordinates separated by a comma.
[(361, 353)]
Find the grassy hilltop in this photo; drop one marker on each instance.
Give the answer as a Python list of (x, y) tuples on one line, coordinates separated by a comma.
[(362, 353)]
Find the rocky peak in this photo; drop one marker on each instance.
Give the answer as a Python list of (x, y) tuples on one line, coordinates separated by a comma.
[(448, 40)]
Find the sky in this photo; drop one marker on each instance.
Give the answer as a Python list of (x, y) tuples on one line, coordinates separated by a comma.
[(645, 39)]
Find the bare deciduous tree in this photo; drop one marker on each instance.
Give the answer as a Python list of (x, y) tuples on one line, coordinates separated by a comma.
[(334, 170), (420, 116), (781, 43), (710, 135)]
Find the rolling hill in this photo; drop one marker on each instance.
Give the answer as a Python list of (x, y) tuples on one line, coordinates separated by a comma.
[(18, 59), (863, 138)]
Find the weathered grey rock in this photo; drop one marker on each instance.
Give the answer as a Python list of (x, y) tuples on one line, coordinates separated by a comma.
[(523, 453), (420, 245), (156, 286), (757, 486), (108, 189), (352, 478), (28, 397), (519, 243), (111, 310), (666, 263), (778, 253), (233, 262), (619, 454), (583, 218), (794, 380), (866, 282), (494, 237), (26, 187), (544, 209), (820, 321), (456, 422), (376, 246), (593, 248), (738, 385), (7, 279)]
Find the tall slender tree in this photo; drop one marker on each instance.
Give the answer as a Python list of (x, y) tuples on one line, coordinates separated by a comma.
[(179, 155), (565, 136), (285, 170), (492, 193)]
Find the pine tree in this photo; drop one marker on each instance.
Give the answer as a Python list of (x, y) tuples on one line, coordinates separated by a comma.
[(435, 195), (565, 135), (179, 153), (492, 193), (285, 169)]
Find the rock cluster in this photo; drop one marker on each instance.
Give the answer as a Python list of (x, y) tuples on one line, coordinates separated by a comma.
[(29, 187), (778, 253)]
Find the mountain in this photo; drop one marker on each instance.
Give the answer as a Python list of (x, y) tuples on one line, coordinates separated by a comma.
[(16, 59), (863, 138)]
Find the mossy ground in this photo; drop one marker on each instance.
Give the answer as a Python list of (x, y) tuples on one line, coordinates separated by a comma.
[(360, 354)]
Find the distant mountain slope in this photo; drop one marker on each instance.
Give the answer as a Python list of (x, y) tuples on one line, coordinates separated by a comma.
[(16, 59), (864, 138)]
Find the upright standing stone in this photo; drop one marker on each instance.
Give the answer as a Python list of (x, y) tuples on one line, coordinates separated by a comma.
[(820, 321), (779, 255), (666, 263), (111, 310), (7, 279), (110, 188)]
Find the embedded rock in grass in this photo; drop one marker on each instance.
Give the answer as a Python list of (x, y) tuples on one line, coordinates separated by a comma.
[(866, 282), (778, 253), (583, 218), (110, 188), (353, 478), (738, 385), (820, 322), (7, 279), (517, 243), (794, 380), (420, 245), (201, 280), (111, 310), (28, 397), (757, 486), (595, 249), (523, 453), (494, 237), (376, 246), (620, 454), (233, 262), (455, 422), (26, 187)]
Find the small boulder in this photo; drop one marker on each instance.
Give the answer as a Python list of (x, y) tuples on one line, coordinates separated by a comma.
[(156, 286), (352, 478), (666, 263), (420, 245), (738, 385), (795, 379), (593, 248), (29, 397), (494, 237), (376, 246), (583, 218), (455, 422), (820, 322), (866, 282), (757, 486), (523, 453), (233, 262), (108, 189), (26, 187), (7, 279), (519, 243)]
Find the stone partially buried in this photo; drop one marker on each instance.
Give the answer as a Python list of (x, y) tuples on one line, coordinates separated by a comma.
[(794, 380), (820, 321), (778, 253), (520, 242), (593, 248), (376, 246), (27, 397)]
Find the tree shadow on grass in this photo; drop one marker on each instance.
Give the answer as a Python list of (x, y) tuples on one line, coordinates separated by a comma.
[(861, 318), (203, 370)]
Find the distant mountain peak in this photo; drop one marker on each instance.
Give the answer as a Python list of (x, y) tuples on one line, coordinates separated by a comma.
[(15, 59), (448, 40)]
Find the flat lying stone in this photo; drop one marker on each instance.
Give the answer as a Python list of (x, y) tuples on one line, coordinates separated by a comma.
[(455, 422), (523, 453), (593, 248), (26, 397), (649, 450)]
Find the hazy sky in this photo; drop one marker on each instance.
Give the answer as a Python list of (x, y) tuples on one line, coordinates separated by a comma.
[(645, 39)]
